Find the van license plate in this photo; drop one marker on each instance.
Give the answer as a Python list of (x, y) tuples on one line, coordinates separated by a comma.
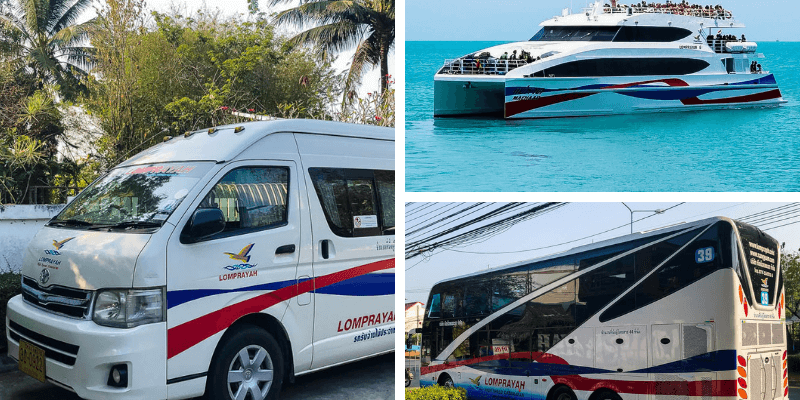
[(31, 360)]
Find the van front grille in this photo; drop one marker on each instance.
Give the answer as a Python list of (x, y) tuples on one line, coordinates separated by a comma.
[(58, 299), (55, 350)]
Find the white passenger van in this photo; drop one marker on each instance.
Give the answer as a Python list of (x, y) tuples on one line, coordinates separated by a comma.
[(224, 261)]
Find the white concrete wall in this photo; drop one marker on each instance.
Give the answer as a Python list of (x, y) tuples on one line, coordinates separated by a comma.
[(18, 225)]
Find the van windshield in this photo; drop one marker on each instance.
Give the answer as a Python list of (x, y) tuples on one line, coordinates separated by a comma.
[(135, 197)]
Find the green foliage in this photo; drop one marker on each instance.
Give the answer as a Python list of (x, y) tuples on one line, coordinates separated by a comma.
[(10, 286), (793, 363), (436, 393), (790, 265), (43, 37), (375, 109), (187, 73), (416, 339), (341, 24)]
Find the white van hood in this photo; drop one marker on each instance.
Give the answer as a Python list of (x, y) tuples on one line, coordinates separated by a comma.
[(83, 259)]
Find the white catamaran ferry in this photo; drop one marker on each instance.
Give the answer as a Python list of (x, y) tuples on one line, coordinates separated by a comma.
[(612, 59), (689, 312)]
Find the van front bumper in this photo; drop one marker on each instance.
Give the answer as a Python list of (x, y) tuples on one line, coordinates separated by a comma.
[(79, 353)]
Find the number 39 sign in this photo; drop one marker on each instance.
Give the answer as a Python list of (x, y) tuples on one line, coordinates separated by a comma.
[(704, 255)]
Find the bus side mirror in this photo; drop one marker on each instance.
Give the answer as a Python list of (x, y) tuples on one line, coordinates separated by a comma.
[(205, 222)]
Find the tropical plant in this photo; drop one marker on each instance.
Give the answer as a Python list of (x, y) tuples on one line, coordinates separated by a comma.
[(42, 36), (341, 24)]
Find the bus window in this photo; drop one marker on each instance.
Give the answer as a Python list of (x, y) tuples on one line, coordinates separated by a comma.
[(433, 311), (679, 271)]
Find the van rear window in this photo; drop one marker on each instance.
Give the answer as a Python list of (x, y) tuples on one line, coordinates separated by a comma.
[(356, 202)]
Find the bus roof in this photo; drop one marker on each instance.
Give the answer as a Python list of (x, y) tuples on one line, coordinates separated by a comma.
[(225, 144), (594, 246)]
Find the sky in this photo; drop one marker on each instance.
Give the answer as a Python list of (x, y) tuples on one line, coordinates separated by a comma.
[(573, 221), (515, 20)]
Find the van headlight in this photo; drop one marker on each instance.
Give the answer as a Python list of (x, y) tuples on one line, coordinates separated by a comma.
[(128, 308)]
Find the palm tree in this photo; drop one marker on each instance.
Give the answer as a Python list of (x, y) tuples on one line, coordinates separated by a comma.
[(41, 36), (341, 24)]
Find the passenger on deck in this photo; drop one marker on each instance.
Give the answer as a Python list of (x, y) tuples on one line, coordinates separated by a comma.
[(504, 56), (513, 55), (758, 68), (753, 67), (743, 39)]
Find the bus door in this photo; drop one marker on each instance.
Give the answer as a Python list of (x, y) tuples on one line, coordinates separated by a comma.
[(764, 375)]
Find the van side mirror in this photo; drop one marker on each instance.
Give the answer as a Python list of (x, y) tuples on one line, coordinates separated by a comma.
[(204, 223)]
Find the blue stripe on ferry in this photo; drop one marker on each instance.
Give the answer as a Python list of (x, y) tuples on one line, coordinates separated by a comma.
[(721, 360), (364, 285)]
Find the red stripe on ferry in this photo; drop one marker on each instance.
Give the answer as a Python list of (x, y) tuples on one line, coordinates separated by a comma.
[(768, 95), (516, 107), (182, 337)]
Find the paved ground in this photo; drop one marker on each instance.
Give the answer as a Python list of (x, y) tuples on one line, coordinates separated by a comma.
[(371, 379), (413, 364)]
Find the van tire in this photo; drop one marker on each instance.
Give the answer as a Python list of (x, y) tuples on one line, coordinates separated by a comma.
[(230, 357), (563, 393)]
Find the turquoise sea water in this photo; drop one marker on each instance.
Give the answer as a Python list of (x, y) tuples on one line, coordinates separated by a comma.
[(728, 150)]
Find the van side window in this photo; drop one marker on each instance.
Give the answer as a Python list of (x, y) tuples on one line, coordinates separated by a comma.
[(251, 198), (357, 202)]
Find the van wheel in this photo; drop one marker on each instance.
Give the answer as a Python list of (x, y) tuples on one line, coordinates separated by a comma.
[(248, 366), (607, 395)]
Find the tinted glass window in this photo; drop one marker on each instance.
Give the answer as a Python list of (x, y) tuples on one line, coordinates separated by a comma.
[(576, 33), (699, 259), (650, 34), (251, 198), (761, 258), (624, 67), (384, 181), (356, 202)]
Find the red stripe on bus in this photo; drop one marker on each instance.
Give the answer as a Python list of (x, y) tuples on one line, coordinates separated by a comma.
[(525, 355), (182, 337), (678, 388)]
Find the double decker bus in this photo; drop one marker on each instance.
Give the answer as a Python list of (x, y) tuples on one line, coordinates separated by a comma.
[(691, 311)]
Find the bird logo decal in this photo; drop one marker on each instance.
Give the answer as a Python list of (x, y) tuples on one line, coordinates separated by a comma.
[(59, 245), (764, 281), (242, 256), (476, 381)]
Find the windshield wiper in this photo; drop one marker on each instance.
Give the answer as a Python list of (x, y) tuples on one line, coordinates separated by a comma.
[(69, 222), (129, 224)]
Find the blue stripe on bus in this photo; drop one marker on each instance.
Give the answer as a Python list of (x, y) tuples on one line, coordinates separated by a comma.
[(722, 360), (364, 285)]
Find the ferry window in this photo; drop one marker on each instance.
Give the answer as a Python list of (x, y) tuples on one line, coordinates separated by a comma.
[(576, 33), (651, 34), (625, 67), (356, 202), (251, 199)]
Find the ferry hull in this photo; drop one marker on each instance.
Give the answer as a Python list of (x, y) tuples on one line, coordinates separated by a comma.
[(468, 97), (579, 97)]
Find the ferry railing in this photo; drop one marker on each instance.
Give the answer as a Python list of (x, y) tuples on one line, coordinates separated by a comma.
[(674, 10), (485, 66)]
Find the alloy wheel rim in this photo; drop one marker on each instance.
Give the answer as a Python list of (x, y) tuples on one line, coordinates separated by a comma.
[(250, 372)]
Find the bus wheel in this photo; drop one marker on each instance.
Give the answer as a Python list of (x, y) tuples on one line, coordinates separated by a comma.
[(249, 362), (563, 393), (446, 381), (607, 395)]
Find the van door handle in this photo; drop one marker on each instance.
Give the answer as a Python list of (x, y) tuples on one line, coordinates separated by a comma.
[(324, 249), (285, 249)]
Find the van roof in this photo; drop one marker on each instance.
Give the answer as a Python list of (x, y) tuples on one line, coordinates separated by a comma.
[(224, 144)]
